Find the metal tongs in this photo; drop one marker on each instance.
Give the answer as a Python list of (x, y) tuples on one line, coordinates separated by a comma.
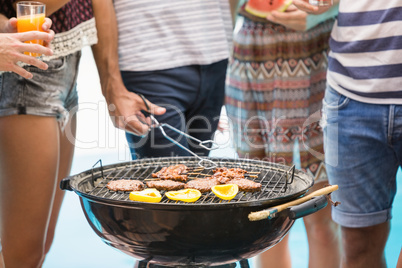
[(155, 124)]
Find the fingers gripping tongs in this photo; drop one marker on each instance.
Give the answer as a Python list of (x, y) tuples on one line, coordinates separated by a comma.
[(155, 124)]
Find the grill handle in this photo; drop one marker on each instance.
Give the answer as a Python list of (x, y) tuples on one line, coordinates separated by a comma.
[(65, 183), (307, 208), (271, 212)]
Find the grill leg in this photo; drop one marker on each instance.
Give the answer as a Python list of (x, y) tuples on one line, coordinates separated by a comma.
[(145, 264), (140, 264), (244, 264)]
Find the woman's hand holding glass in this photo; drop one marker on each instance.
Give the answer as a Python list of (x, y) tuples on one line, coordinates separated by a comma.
[(12, 47)]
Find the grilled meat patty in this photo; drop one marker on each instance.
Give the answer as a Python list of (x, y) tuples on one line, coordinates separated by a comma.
[(203, 185), (125, 185), (246, 185), (229, 172), (174, 178), (175, 173), (222, 179), (224, 175), (167, 185)]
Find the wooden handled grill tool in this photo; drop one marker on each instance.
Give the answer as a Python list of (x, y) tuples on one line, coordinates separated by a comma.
[(270, 213)]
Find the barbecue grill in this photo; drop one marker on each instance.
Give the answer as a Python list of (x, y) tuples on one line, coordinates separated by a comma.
[(205, 233)]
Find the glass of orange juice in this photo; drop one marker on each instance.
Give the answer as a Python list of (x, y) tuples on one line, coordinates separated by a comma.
[(30, 17)]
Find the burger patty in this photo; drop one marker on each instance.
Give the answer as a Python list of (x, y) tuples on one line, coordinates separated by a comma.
[(222, 179), (246, 185), (229, 172), (203, 185), (167, 185), (175, 173), (125, 185)]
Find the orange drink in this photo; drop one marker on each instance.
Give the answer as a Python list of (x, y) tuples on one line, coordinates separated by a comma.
[(30, 17), (31, 23)]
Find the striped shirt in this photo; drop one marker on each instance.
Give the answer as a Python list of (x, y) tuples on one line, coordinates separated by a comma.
[(161, 34), (365, 62)]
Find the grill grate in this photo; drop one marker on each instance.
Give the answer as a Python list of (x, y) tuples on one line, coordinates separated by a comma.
[(276, 180)]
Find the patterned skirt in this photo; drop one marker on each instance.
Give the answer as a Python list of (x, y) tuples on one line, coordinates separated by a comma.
[(275, 86)]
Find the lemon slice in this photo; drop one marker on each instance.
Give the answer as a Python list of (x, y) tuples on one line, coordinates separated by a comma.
[(150, 195), (225, 191), (186, 195)]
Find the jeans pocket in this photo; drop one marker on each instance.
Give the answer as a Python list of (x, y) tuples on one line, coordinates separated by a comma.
[(54, 65), (334, 100), (332, 103)]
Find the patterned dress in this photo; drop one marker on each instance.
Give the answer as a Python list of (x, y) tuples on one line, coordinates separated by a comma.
[(275, 86)]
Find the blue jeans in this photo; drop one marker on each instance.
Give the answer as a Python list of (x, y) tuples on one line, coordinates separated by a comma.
[(193, 97), (363, 151)]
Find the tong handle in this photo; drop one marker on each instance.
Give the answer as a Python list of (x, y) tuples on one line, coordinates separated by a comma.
[(156, 124), (145, 101)]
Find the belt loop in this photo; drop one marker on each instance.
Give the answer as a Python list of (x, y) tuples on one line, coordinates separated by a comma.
[(22, 109)]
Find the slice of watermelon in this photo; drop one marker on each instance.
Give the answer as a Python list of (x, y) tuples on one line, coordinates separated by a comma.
[(262, 8)]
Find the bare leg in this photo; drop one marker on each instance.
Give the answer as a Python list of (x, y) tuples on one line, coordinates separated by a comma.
[(66, 159), (277, 256), (1, 257), (399, 264), (323, 237), (1, 260), (364, 247), (29, 151)]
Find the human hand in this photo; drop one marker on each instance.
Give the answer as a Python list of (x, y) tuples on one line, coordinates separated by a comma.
[(292, 18), (46, 28), (12, 48), (311, 9), (125, 111), (11, 27)]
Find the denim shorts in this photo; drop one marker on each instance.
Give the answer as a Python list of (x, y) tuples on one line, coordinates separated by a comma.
[(363, 151), (50, 92)]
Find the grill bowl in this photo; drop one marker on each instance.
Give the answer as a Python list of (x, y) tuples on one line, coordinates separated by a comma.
[(209, 231)]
